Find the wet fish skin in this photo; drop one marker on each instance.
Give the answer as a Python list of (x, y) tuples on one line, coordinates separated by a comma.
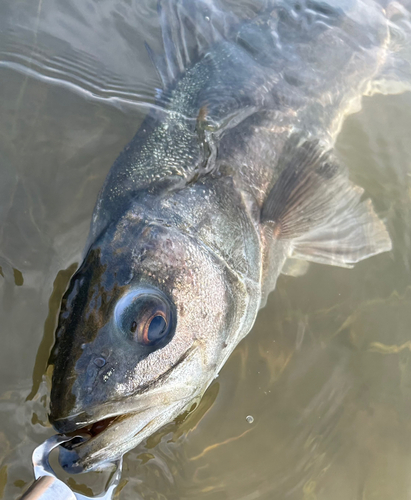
[(182, 214)]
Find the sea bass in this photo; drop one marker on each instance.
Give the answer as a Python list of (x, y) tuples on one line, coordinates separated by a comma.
[(229, 177)]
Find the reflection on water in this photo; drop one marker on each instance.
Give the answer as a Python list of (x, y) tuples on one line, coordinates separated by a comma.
[(325, 374)]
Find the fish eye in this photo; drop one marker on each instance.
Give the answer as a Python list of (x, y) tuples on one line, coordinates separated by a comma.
[(145, 316), (156, 329)]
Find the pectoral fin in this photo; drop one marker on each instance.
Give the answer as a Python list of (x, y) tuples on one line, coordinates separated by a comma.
[(315, 206)]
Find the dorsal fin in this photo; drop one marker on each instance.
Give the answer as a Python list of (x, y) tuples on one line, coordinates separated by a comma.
[(189, 28)]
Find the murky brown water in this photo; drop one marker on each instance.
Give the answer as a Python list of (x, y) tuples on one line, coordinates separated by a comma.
[(325, 373)]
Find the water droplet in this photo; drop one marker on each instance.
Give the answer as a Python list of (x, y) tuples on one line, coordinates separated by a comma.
[(250, 419)]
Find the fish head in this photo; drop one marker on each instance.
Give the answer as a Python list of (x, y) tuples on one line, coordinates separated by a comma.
[(143, 329)]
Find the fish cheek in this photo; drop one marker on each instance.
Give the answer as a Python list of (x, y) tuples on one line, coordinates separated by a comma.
[(203, 315)]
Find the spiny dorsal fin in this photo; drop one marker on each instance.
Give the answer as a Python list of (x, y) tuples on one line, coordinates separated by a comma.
[(314, 204), (189, 28)]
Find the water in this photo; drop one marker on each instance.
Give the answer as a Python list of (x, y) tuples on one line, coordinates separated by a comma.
[(325, 374)]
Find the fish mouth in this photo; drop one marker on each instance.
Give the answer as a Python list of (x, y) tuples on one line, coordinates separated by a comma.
[(88, 432), (74, 455), (101, 442), (84, 425)]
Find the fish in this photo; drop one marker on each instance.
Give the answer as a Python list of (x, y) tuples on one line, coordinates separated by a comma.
[(230, 178)]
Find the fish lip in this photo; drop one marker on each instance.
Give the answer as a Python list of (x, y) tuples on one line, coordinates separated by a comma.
[(82, 456), (86, 432), (71, 457), (90, 431), (80, 421)]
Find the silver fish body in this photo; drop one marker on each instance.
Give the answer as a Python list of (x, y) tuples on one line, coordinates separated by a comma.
[(199, 214)]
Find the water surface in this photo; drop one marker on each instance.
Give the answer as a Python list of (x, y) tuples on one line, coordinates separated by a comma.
[(325, 373)]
